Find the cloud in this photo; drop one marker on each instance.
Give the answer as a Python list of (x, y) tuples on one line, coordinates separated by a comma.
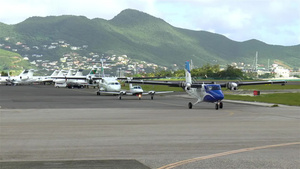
[(271, 21)]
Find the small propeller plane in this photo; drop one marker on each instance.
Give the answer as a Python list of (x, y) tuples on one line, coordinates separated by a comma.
[(114, 88), (204, 92)]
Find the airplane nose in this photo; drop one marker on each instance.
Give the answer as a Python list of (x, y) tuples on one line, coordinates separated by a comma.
[(220, 96), (117, 88), (140, 90)]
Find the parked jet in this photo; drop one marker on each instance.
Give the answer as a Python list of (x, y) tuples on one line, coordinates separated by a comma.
[(26, 77), (3, 79), (45, 79), (204, 92), (70, 80), (92, 79)]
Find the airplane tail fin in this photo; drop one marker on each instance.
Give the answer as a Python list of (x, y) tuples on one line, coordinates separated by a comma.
[(24, 72), (70, 73), (188, 77), (93, 71), (30, 73), (79, 72), (61, 73), (55, 73)]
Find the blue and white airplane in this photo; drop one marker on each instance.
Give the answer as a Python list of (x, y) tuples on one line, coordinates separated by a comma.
[(204, 92)]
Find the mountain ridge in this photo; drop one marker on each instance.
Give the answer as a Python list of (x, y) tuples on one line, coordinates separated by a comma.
[(145, 37)]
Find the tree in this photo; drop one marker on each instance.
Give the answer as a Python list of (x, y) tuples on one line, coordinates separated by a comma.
[(231, 73), (4, 73)]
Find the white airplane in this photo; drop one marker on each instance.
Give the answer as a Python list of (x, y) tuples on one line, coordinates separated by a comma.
[(26, 77), (69, 80), (3, 79), (45, 79), (108, 84), (113, 87), (204, 92)]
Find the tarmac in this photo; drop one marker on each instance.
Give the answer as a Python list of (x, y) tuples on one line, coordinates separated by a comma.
[(45, 127)]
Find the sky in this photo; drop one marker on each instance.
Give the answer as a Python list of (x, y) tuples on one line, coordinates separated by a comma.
[(275, 22)]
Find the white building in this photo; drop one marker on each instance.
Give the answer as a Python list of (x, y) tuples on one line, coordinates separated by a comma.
[(281, 72)]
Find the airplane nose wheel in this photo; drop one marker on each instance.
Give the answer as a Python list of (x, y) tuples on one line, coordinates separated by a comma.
[(219, 105), (190, 105)]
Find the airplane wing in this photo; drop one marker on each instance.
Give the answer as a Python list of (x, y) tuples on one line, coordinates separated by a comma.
[(155, 92), (168, 83), (70, 77), (112, 93), (234, 85), (229, 85), (163, 92), (138, 78)]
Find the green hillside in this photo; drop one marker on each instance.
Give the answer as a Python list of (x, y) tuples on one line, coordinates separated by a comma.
[(12, 61), (144, 37)]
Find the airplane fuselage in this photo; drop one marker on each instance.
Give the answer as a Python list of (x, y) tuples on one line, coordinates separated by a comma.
[(213, 93), (110, 85)]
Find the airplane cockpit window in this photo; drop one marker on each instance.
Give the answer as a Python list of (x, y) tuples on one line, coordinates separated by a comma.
[(137, 87), (212, 87), (113, 83)]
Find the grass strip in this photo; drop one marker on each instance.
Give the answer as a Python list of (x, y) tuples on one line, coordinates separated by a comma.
[(292, 99)]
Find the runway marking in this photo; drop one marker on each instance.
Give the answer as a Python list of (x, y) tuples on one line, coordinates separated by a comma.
[(173, 165), (231, 114)]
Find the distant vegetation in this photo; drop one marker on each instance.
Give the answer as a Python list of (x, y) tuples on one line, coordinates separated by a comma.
[(205, 72), (292, 99), (12, 61), (143, 37)]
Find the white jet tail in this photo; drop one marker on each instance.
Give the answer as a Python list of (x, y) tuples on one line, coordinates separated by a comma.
[(55, 73), (30, 73), (93, 71), (70, 73), (79, 72), (61, 73)]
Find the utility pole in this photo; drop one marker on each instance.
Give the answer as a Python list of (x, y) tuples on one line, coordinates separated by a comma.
[(268, 64), (256, 61)]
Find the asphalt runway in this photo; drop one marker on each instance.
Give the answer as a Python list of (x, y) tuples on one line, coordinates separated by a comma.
[(45, 127)]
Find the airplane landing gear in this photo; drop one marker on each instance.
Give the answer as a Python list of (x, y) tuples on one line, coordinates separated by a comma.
[(219, 105), (190, 105)]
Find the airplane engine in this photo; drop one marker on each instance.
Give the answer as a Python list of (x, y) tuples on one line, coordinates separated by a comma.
[(151, 92), (232, 86), (122, 92), (188, 86)]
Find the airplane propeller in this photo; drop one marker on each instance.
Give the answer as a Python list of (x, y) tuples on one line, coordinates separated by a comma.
[(232, 86)]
